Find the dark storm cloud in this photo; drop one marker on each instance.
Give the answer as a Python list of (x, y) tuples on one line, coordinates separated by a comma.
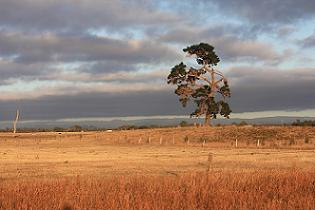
[(94, 105), (271, 89), (252, 90), (296, 96), (73, 15)]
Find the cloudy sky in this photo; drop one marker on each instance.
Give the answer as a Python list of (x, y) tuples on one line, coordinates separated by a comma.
[(101, 58)]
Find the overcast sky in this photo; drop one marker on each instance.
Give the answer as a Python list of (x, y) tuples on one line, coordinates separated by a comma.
[(98, 58)]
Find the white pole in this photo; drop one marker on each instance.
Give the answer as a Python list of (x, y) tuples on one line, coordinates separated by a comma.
[(16, 120)]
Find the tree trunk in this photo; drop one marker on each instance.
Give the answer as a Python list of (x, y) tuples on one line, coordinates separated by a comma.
[(207, 120)]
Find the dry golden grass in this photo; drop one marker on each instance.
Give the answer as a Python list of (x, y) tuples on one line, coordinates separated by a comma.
[(160, 169), (214, 190)]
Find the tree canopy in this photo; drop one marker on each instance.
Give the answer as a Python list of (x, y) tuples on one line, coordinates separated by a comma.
[(207, 87)]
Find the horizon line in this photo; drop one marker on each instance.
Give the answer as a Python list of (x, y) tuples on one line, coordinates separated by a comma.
[(243, 116)]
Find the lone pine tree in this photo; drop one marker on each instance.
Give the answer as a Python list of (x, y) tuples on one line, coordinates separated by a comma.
[(206, 86)]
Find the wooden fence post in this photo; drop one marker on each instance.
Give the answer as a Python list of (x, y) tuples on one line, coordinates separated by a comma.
[(210, 159)]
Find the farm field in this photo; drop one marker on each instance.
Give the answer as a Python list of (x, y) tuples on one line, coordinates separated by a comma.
[(91, 168)]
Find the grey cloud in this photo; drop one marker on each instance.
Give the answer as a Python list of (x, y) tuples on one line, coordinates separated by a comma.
[(296, 96), (268, 11), (234, 49), (308, 41), (262, 15), (129, 78), (273, 74), (107, 66), (71, 15), (94, 105), (11, 70), (252, 90), (271, 89), (52, 48), (193, 33), (285, 30), (228, 45), (38, 35)]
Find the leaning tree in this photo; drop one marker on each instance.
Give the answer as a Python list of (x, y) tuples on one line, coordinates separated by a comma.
[(205, 85)]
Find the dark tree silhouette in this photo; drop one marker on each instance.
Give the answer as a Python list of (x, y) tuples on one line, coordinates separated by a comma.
[(206, 86)]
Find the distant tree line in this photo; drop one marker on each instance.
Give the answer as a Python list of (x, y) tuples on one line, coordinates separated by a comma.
[(304, 123), (78, 128)]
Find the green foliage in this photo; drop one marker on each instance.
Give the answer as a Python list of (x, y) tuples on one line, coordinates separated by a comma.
[(225, 89), (225, 109), (183, 124), (178, 74), (204, 52)]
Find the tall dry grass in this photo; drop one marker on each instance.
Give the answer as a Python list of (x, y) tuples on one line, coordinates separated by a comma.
[(214, 190)]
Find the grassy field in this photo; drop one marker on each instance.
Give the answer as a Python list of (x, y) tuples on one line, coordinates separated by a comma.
[(170, 168)]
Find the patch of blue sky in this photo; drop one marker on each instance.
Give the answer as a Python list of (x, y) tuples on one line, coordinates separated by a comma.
[(304, 28), (289, 48), (68, 66), (105, 33), (147, 68), (9, 58), (25, 86), (16, 86), (122, 34), (198, 9)]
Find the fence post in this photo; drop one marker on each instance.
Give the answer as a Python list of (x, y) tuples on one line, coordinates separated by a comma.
[(204, 143), (210, 159), (16, 120)]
